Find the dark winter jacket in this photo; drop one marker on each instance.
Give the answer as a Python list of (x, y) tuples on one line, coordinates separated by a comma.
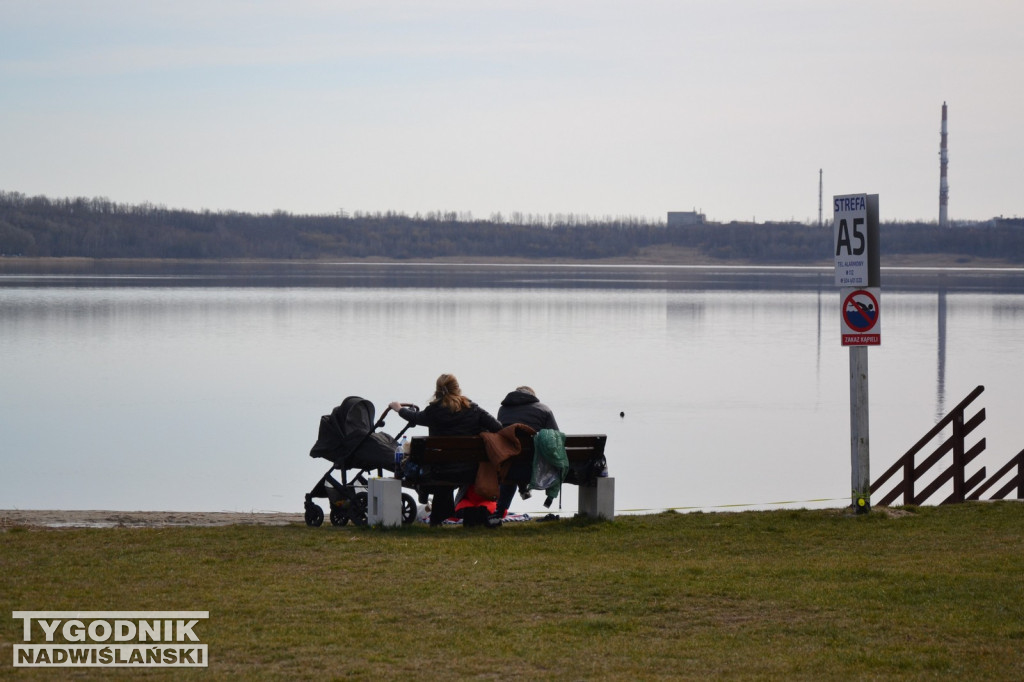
[(443, 422), (520, 407)]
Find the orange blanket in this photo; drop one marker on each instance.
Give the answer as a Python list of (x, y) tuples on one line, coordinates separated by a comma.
[(500, 447)]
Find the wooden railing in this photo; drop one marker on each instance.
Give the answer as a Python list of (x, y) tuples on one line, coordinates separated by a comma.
[(964, 488), (962, 456), (1016, 482)]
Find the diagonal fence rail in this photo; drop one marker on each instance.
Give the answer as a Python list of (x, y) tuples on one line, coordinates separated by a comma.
[(964, 487), (1016, 481)]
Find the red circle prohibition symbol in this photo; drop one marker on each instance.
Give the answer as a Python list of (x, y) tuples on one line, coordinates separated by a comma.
[(860, 314)]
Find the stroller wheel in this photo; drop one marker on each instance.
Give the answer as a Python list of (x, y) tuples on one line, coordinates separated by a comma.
[(339, 517), (314, 515), (408, 508), (357, 513)]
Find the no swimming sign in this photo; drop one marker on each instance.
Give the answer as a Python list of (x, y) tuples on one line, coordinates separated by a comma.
[(860, 324)]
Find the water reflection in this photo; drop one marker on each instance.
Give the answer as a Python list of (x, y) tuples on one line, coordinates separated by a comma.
[(734, 390), (940, 389)]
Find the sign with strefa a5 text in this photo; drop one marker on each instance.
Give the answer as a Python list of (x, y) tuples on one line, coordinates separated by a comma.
[(850, 242)]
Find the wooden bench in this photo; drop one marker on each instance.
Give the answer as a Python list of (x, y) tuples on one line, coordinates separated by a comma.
[(451, 461)]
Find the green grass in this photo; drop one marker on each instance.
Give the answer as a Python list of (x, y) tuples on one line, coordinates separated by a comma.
[(922, 593)]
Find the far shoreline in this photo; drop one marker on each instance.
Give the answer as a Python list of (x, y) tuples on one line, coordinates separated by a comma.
[(650, 257)]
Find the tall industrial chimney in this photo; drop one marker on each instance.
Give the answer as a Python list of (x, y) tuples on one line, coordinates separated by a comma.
[(943, 183), (819, 197)]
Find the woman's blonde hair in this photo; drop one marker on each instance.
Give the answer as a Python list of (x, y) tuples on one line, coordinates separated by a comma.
[(449, 394)]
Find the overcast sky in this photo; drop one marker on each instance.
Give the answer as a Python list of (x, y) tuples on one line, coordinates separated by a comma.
[(630, 108)]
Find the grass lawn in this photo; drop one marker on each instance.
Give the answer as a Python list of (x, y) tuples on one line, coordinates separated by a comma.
[(917, 593)]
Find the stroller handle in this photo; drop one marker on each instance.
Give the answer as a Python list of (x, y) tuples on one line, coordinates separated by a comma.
[(380, 422)]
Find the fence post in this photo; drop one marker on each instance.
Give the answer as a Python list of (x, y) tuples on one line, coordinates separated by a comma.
[(958, 456), (1020, 475)]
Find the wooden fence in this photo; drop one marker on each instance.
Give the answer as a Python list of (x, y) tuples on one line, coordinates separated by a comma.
[(964, 487)]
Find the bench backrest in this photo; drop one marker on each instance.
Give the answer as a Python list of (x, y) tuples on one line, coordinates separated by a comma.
[(455, 449)]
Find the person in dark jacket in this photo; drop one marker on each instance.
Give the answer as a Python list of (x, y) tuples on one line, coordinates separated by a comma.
[(449, 413), (522, 406)]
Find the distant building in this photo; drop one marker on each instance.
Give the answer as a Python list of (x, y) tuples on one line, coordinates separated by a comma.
[(684, 218)]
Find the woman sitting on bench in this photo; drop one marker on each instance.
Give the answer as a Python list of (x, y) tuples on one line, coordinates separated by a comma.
[(449, 413)]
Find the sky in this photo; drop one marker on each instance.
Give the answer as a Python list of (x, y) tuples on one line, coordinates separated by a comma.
[(587, 107)]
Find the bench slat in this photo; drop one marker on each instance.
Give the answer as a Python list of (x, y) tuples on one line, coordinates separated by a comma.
[(455, 449)]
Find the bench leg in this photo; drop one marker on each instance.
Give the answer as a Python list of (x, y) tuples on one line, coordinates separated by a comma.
[(384, 503), (598, 500)]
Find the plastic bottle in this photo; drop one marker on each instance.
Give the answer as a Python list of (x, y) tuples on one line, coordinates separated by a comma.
[(399, 453)]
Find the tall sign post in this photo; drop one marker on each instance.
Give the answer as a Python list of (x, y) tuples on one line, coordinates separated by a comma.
[(855, 232)]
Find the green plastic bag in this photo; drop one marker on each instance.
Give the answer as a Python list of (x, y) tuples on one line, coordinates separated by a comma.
[(550, 463)]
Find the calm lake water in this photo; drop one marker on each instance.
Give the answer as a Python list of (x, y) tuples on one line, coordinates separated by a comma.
[(200, 388)]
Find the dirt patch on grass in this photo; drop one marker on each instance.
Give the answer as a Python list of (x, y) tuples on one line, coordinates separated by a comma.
[(893, 512), (140, 519)]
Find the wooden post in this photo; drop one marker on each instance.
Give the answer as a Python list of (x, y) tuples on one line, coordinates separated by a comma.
[(959, 484), (856, 250), (859, 441)]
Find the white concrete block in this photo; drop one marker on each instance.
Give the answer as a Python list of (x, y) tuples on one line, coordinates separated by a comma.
[(384, 503), (598, 500)]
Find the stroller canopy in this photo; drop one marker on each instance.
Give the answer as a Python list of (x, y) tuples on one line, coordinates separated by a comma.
[(347, 437)]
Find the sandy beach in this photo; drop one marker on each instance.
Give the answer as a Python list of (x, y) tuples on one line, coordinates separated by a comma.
[(10, 518)]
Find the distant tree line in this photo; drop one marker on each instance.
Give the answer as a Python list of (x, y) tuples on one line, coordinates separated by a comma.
[(98, 228)]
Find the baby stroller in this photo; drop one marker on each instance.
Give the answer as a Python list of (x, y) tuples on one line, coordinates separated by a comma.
[(348, 439)]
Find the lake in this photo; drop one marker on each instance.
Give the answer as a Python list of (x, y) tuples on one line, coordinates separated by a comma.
[(199, 387)]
